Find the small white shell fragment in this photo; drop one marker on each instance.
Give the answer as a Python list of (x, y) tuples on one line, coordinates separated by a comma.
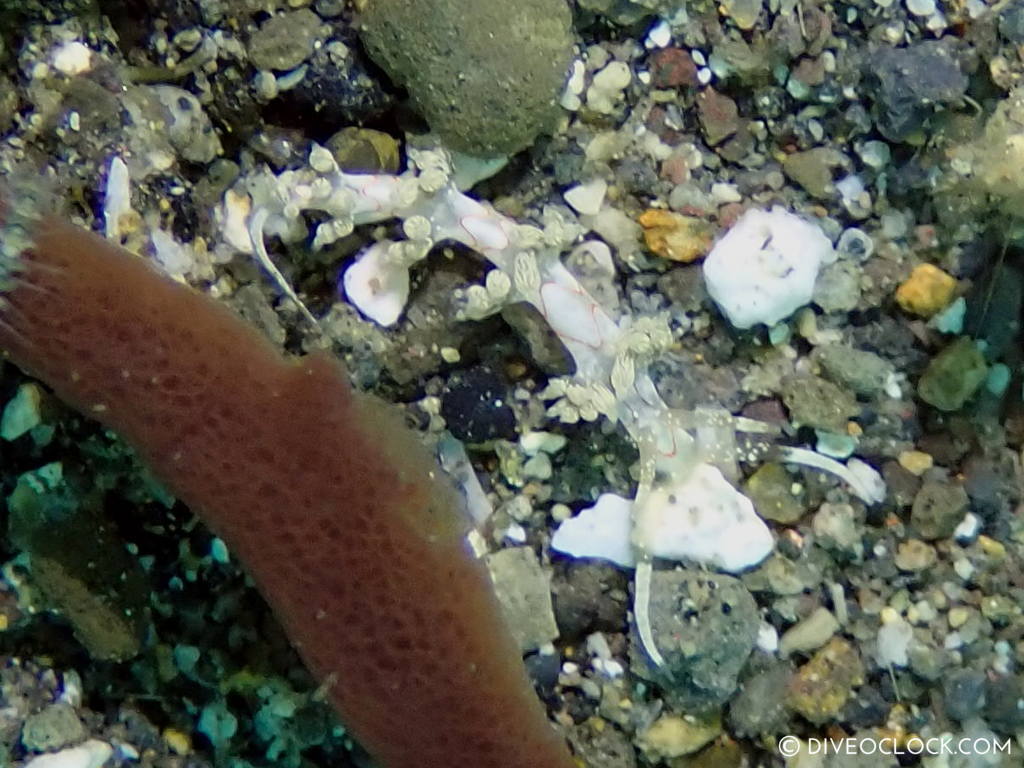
[(725, 193), (533, 443), (588, 197), (893, 642), (91, 754), (378, 289), (870, 484), (968, 529), (174, 258), (117, 198), (767, 638), (607, 86), (659, 36), (72, 58), (232, 219), (704, 519), (574, 87), (765, 266), (600, 531), (922, 7), (855, 244)]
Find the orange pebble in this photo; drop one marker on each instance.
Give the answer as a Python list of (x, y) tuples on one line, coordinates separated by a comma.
[(926, 291), (674, 236)]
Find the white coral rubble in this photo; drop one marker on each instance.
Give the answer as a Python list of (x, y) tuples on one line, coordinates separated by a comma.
[(764, 268)]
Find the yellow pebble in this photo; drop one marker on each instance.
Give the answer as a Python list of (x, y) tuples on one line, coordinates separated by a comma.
[(916, 462), (958, 616), (926, 291), (178, 741), (674, 236), (992, 548)]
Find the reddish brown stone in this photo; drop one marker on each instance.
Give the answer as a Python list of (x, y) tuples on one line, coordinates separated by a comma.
[(719, 116), (672, 68)]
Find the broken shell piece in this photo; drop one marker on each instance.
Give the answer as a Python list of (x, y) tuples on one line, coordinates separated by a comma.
[(378, 288), (704, 519), (600, 531), (117, 202), (763, 269), (587, 198)]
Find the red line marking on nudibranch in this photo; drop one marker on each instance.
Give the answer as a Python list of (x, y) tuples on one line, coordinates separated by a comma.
[(479, 226), (547, 301), (376, 190)]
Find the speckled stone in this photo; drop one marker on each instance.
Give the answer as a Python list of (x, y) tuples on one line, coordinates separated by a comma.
[(965, 693), (589, 597), (838, 528), (771, 490), (704, 625), (864, 372), (475, 405), (783, 576), (1003, 710), (54, 727), (938, 509), (758, 709), (822, 686), (915, 556), (812, 170), (837, 288), (284, 42), (815, 402)]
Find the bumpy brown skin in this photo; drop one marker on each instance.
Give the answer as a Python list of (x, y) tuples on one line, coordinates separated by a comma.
[(328, 501)]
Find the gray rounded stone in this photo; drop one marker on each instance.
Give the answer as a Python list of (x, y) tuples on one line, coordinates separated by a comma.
[(704, 626), (285, 41), (486, 76)]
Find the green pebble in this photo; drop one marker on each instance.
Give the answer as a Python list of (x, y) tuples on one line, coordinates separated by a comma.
[(953, 376), (770, 489), (815, 402)]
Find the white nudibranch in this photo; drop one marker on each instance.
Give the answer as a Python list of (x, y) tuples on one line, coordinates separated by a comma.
[(685, 508)]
